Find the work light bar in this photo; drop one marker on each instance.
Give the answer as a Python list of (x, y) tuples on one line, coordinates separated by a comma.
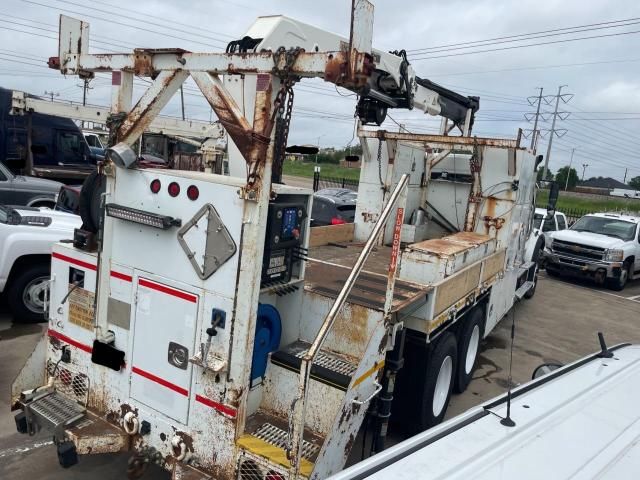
[(163, 222)]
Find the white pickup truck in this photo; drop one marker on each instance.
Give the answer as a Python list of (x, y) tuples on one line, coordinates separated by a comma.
[(605, 246), (26, 237)]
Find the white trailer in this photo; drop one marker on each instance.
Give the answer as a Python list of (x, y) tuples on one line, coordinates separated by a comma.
[(211, 332)]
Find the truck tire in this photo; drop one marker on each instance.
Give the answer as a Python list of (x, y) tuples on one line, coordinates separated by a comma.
[(619, 283), (89, 203), (439, 380), (25, 295), (469, 339)]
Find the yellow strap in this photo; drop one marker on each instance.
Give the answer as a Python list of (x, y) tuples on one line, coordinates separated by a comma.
[(368, 373)]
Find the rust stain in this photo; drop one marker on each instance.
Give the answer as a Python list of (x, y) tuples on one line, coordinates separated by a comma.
[(351, 325), (55, 343), (452, 244), (142, 64), (186, 439)]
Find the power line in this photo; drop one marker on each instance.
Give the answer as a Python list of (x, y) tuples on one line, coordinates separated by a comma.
[(513, 47), (523, 35)]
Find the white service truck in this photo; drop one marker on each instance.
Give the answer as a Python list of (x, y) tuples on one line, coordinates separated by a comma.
[(212, 331), (26, 237), (603, 246)]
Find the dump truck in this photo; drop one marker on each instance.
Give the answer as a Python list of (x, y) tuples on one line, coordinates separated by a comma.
[(199, 323)]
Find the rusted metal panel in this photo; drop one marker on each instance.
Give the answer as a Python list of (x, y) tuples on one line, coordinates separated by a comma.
[(93, 435), (369, 290), (452, 244), (493, 265), (439, 141), (331, 234), (150, 104), (456, 287), (73, 41)]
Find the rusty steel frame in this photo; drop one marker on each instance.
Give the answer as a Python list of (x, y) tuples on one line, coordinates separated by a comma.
[(298, 414), (440, 141)]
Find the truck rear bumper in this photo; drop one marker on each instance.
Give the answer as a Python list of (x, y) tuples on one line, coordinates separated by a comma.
[(582, 267)]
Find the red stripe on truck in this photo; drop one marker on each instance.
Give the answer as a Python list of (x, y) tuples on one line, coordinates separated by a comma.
[(70, 341), (168, 290), (232, 412), (161, 381), (74, 261), (121, 276)]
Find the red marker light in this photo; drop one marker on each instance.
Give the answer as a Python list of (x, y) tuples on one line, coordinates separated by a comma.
[(174, 189), (337, 221), (192, 192), (155, 186)]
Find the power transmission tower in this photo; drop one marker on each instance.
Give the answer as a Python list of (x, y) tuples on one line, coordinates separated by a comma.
[(565, 97), (528, 116)]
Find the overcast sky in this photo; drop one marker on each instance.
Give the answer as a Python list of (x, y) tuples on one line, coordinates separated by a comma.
[(602, 73)]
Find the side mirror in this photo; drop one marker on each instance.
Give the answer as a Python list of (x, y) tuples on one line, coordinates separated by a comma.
[(544, 369), (554, 192)]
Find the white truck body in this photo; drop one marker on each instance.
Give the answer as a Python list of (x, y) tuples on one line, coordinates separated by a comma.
[(580, 421), (227, 340), (605, 246), (625, 193)]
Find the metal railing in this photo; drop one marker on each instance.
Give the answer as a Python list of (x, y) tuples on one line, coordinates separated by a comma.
[(297, 417)]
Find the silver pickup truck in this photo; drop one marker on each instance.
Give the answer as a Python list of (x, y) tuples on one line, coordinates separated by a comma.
[(604, 246)]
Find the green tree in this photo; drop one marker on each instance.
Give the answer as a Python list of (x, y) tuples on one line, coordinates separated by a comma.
[(635, 183), (561, 177), (539, 174)]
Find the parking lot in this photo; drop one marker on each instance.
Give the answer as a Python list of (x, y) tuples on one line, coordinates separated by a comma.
[(558, 325)]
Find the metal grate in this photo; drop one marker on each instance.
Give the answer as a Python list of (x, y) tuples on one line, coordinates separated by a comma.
[(280, 438), (251, 467), (332, 363), (57, 409), (69, 381)]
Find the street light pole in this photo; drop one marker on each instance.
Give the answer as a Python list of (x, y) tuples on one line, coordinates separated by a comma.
[(584, 167), (566, 184), (318, 145)]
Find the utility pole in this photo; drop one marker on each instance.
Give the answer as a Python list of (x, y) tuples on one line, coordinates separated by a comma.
[(566, 184), (584, 167), (625, 175), (563, 115), (182, 100), (534, 134), (52, 94)]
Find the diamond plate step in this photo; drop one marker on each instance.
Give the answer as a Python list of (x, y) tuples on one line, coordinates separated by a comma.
[(57, 410), (328, 367)]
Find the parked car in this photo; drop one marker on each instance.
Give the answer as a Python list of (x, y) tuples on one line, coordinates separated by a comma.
[(544, 223), (29, 191), (69, 199), (333, 206), (604, 246), (43, 145), (26, 237)]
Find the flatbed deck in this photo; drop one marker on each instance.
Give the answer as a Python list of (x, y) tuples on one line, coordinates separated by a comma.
[(330, 265)]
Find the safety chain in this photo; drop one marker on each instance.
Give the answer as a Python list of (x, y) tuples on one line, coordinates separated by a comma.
[(113, 123), (475, 166), (380, 164)]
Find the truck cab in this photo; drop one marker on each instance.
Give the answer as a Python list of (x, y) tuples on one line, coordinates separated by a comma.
[(43, 145), (604, 246)]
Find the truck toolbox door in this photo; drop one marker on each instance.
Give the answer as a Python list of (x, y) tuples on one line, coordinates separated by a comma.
[(164, 328)]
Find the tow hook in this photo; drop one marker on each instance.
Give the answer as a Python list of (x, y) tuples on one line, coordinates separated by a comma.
[(179, 448), (130, 423)]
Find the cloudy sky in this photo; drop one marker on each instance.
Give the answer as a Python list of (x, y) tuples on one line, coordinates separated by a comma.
[(452, 43)]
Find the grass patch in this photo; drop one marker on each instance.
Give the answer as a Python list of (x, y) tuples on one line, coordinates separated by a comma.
[(304, 169), (589, 204)]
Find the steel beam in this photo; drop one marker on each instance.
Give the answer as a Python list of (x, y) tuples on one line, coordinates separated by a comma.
[(440, 141)]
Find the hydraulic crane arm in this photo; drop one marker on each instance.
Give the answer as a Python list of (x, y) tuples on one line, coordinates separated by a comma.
[(393, 83)]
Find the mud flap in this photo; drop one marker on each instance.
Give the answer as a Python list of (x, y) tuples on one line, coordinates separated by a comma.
[(33, 372)]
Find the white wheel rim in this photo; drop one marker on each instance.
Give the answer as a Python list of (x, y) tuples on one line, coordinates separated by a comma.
[(443, 383), (472, 350), (33, 294)]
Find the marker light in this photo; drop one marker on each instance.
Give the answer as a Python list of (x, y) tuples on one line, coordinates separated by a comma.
[(174, 189), (155, 186), (192, 192), (163, 222)]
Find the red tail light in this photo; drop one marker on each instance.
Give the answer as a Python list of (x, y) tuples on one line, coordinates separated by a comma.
[(174, 189), (155, 186), (192, 192), (337, 221)]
